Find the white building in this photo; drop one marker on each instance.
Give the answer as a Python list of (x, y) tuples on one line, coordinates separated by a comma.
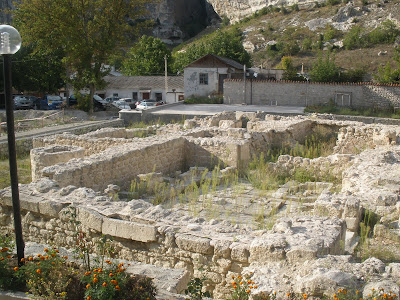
[(144, 87), (206, 75)]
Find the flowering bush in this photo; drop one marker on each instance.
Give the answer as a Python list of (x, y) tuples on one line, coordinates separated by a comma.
[(8, 278), (115, 283), (49, 276), (242, 288)]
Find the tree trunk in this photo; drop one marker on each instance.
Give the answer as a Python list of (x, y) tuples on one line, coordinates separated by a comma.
[(91, 94)]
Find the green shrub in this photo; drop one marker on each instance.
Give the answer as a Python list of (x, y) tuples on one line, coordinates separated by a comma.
[(204, 100), (8, 277)]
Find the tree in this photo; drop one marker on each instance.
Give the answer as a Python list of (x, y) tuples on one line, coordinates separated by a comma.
[(146, 57), (388, 74), (39, 73), (226, 43), (87, 32), (290, 72), (325, 70)]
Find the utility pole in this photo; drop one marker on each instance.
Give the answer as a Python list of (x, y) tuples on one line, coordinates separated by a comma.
[(166, 78)]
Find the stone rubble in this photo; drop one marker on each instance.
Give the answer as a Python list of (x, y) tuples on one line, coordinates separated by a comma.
[(306, 243)]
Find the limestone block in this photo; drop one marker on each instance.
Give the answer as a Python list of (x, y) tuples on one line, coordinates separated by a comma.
[(270, 248), (194, 243), (5, 199), (224, 124), (352, 224), (386, 285), (240, 252), (129, 230), (325, 281), (30, 203), (90, 218), (51, 208), (394, 270), (352, 208), (221, 248), (298, 254)]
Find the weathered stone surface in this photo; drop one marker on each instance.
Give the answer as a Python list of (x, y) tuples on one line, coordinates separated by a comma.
[(268, 248), (129, 230), (194, 243)]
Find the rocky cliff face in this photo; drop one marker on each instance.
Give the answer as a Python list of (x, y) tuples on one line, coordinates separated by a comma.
[(238, 9), (177, 20)]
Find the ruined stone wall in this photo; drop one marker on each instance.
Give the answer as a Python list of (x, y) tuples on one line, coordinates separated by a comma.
[(355, 139), (284, 93), (168, 245), (119, 164)]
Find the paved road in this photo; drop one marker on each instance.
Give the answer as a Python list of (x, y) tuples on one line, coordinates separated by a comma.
[(208, 109)]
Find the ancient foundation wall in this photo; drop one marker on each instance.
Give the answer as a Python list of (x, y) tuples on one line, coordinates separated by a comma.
[(284, 93), (24, 145), (120, 164), (221, 256)]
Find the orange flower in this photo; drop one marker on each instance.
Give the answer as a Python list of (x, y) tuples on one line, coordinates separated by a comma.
[(88, 285), (117, 287), (22, 259), (88, 297), (1, 258), (110, 275), (45, 249), (248, 291), (66, 257), (53, 254), (234, 287), (46, 257), (95, 280), (248, 281), (42, 258), (114, 282), (38, 263), (305, 296), (241, 282), (288, 294), (30, 258), (16, 269), (39, 255), (104, 284), (38, 271), (94, 275), (8, 256), (255, 286)]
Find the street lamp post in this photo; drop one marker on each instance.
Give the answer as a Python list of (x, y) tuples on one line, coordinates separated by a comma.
[(10, 43)]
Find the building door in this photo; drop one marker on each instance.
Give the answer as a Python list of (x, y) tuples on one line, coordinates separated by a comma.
[(146, 96), (221, 78)]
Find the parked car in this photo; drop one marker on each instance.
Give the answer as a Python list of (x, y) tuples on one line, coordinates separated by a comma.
[(160, 102), (51, 102), (98, 102), (130, 102), (111, 99), (22, 102), (146, 104), (121, 104)]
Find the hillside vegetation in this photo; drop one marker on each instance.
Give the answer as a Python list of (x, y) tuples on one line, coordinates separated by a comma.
[(361, 35)]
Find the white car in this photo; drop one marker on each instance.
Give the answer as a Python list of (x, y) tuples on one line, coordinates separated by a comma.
[(145, 105), (121, 104)]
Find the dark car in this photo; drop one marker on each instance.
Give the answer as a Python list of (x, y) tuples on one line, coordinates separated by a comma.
[(22, 102), (98, 102), (51, 102)]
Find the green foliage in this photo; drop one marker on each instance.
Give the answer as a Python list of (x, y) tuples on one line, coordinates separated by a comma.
[(195, 289), (354, 38), (146, 57), (333, 2), (387, 74), (88, 32), (43, 73), (204, 100), (325, 70), (369, 220), (225, 43), (330, 33), (242, 287), (112, 282), (24, 170), (47, 276), (225, 20), (8, 278)]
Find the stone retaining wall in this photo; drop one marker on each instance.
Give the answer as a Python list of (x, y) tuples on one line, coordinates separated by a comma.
[(285, 93), (25, 143)]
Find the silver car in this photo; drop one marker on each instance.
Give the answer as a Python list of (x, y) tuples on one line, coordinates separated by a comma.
[(23, 102)]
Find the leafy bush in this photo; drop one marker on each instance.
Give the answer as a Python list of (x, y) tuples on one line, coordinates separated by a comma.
[(195, 289), (204, 100), (354, 38), (8, 278)]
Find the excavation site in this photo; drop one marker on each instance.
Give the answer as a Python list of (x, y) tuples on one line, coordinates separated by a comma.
[(299, 204)]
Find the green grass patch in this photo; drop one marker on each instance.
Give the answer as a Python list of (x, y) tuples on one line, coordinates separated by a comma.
[(204, 100), (24, 171)]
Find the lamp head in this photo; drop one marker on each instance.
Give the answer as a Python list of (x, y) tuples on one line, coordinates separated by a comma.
[(10, 40)]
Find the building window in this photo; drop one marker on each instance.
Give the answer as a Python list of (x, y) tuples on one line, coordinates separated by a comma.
[(343, 99), (203, 78), (134, 96), (158, 96)]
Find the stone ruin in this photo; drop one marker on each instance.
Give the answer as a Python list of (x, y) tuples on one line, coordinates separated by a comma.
[(300, 237)]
